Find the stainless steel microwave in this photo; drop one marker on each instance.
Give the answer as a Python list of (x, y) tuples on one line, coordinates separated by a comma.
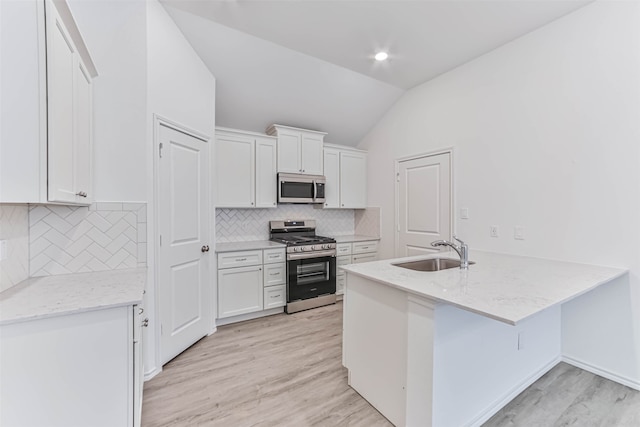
[(299, 188)]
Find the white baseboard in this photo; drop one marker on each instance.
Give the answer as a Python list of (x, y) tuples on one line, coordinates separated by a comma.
[(511, 394), (152, 373), (249, 316), (602, 372)]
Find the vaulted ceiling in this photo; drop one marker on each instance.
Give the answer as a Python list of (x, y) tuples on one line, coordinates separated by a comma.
[(309, 63)]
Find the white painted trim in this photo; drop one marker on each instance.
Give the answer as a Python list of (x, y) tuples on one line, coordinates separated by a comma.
[(159, 120), (151, 374), (500, 403), (596, 370), (249, 316), (446, 150), (344, 148), (222, 129)]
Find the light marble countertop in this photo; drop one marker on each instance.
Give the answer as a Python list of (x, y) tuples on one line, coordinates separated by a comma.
[(48, 296), (248, 246), (354, 238), (507, 288)]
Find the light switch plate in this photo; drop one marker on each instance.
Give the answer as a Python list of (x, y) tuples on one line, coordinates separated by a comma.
[(518, 232), (494, 231)]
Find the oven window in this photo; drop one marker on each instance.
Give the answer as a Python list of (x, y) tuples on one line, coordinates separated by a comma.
[(296, 190), (311, 273)]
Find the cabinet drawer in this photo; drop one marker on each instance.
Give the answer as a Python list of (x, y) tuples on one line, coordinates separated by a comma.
[(343, 249), (275, 274), (340, 281), (275, 296), (365, 258), (239, 259), (343, 260), (274, 255), (365, 247)]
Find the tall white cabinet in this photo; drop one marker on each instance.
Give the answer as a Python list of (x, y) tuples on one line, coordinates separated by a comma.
[(46, 106), (346, 172), (246, 169)]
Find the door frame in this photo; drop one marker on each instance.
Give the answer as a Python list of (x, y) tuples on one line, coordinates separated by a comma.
[(153, 245), (447, 150)]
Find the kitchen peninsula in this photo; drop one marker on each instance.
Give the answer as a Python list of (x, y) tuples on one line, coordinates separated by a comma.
[(451, 347)]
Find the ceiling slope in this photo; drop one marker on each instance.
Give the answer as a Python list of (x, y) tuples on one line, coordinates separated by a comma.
[(259, 83), (424, 38)]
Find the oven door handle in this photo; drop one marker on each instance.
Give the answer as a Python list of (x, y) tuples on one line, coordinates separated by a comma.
[(308, 255)]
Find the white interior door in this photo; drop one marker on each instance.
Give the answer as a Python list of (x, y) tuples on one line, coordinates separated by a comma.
[(183, 270), (424, 204)]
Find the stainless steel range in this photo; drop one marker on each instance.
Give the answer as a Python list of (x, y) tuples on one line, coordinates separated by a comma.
[(311, 264)]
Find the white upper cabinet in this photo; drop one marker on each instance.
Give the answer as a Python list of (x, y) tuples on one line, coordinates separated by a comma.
[(353, 180), (299, 150), (266, 188), (346, 171), (47, 105), (245, 169), (332, 174)]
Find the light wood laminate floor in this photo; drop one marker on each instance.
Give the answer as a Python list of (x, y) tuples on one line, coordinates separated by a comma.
[(286, 370)]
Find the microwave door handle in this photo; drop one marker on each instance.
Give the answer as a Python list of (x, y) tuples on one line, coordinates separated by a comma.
[(315, 189)]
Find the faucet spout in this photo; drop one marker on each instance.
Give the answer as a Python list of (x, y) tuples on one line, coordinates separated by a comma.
[(462, 250)]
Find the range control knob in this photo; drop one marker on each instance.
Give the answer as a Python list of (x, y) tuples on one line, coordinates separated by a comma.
[(326, 246), (296, 249)]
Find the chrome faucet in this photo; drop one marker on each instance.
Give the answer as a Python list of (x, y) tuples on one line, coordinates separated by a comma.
[(462, 250)]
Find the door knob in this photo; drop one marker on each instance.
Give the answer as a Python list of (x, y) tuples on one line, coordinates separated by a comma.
[(205, 248)]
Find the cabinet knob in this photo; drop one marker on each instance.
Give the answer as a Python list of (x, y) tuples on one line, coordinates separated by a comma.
[(251, 203), (205, 248), (274, 203)]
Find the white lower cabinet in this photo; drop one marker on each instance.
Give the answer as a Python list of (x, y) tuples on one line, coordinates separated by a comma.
[(353, 253), (251, 281), (239, 291), (72, 370)]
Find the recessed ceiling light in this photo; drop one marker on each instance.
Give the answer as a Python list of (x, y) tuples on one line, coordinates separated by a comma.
[(381, 56)]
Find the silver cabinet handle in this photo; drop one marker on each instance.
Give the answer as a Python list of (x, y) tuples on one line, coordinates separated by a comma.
[(81, 194), (205, 248), (240, 259), (274, 274), (275, 296)]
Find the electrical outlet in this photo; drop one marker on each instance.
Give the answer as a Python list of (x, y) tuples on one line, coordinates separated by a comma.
[(464, 213), (494, 231), (3, 250), (518, 232)]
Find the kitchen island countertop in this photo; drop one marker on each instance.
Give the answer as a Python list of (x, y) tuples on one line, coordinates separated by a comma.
[(507, 288)]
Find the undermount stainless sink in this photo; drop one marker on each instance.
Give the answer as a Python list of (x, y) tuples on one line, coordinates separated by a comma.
[(431, 264)]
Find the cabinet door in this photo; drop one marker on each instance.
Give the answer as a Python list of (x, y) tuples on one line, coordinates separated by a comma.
[(311, 154), (235, 161), (289, 151), (240, 291), (275, 296), (266, 185), (332, 173), (82, 114), (353, 180), (138, 371), (61, 64)]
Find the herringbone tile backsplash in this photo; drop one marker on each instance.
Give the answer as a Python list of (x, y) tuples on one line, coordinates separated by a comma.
[(104, 236), (14, 229), (240, 225)]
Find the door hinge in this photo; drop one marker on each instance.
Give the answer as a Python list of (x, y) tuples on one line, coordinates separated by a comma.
[(398, 177), (161, 240), (160, 149)]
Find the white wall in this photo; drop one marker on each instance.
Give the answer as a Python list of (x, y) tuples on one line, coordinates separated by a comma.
[(115, 33), (181, 89), (546, 135)]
